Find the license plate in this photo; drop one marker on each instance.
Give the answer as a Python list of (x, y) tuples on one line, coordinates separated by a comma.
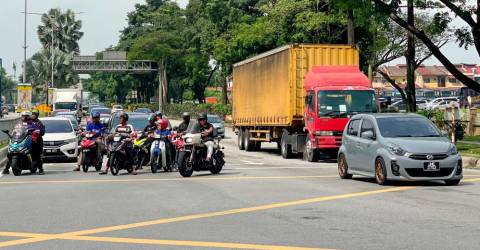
[(157, 136), (431, 166), (116, 138), (51, 150)]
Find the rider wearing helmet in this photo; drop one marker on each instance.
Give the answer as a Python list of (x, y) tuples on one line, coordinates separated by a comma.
[(124, 128), (184, 125), (98, 129), (151, 126), (159, 115), (164, 132), (207, 134), (37, 145)]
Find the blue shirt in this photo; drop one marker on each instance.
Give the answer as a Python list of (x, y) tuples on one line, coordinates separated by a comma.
[(164, 132), (97, 128)]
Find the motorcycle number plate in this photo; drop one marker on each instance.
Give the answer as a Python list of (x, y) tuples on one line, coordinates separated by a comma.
[(157, 136), (116, 138)]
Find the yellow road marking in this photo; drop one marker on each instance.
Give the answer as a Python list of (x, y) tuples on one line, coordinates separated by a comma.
[(172, 179), (43, 237), (471, 180), (23, 241)]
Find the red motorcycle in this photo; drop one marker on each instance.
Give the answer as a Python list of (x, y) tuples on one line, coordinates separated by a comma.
[(89, 152)]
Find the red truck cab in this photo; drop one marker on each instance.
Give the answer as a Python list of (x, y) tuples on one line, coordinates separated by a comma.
[(333, 94)]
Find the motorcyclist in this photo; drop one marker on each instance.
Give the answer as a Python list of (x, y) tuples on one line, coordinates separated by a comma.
[(127, 130), (184, 125), (159, 116), (165, 133), (37, 145), (206, 129), (151, 126), (98, 129), (26, 122)]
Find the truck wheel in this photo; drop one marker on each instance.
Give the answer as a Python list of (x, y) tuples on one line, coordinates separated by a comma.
[(285, 148), (310, 154), (241, 140), (258, 145), (249, 144)]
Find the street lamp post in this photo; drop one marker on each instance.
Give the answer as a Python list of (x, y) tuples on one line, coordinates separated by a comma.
[(25, 46), (1, 67)]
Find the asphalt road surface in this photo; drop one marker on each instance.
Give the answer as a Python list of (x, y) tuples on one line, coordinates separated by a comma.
[(259, 201)]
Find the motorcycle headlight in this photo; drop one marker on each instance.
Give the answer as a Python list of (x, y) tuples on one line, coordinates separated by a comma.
[(452, 150), (189, 140), (395, 149)]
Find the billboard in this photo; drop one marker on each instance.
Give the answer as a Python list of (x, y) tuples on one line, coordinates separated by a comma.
[(24, 91)]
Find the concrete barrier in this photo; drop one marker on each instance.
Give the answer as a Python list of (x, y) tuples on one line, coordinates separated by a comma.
[(9, 122), (3, 157)]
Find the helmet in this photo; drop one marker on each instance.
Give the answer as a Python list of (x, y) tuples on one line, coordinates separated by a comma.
[(95, 114), (163, 124), (152, 118), (26, 113), (124, 116), (35, 111), (159, 114), (186, 115), (202, 116)]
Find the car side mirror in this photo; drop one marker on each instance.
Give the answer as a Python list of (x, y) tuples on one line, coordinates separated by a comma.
[(368, 135)]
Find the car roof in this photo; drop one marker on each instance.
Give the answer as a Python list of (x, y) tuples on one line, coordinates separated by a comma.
[(388, 115)]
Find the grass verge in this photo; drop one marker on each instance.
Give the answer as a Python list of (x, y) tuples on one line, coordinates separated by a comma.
[(468, 149), (472, 138)]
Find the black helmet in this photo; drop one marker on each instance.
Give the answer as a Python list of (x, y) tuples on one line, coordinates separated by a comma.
[(186, 115), (159, 114), (124, 116), (202, 116)]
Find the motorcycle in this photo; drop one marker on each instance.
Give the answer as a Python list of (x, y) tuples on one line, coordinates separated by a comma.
[(89, 153), (18, 154), (158, 151), (117, 159), (142, 149), (192, 153)]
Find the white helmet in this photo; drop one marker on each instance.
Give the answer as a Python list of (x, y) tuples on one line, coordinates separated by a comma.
[(26, 113)]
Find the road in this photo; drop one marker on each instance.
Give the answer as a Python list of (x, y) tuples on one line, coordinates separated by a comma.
[(260, 201)]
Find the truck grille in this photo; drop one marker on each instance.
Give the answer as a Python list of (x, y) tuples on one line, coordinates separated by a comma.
[(425, 157), (418, 172)]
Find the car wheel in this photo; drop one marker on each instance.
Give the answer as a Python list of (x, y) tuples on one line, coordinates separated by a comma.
[(452, 182), (309, 153), (240, 140), (380, 171), (343, 167)]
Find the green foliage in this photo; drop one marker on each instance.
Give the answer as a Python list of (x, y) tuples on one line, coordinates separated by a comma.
[(175, 110), (110, 88), (7, 85)]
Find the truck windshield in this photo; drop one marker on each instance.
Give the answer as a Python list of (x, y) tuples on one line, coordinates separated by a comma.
[(346, 102), (66, 105)]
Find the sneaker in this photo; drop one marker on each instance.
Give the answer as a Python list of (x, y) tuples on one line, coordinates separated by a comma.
[(41, 172), (76, 169), (103, 173)]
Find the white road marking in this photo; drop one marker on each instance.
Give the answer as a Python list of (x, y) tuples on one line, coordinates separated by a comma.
[(253, 163)]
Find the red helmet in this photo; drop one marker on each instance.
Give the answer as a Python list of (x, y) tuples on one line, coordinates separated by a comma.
[(163, 124)]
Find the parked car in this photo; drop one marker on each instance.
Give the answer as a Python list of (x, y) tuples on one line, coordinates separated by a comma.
[(398, 147), (218, 124), (143, 111), (117, 108), (441, 102), (422, 104), (60, 139), (72, 116)]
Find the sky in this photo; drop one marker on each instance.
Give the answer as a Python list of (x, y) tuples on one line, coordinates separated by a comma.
[(102, 22)]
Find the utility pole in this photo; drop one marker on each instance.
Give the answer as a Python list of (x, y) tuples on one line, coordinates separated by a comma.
[(411, 99), (25, 46)]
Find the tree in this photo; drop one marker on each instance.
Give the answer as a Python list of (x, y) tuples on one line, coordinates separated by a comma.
[(65, 30), (7, 85), (465, 36)]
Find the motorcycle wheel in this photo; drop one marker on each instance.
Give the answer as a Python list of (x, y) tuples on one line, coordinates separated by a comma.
[(183, 167), (84, 163), (218, 164), (114, 165), (15, 167), (154, 166), (130, 169)]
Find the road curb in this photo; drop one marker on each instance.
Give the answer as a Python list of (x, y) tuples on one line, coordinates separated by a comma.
[(471, 162)]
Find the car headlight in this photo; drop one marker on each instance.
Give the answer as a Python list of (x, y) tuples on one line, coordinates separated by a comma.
[(452, 150), (395, 149), (324, 133)]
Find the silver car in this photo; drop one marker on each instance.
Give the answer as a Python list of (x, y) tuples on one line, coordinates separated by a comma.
[(218, 124), (397, 147)]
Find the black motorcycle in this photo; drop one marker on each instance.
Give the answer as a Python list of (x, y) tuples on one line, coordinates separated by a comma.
[(118, 159), (192, 153)]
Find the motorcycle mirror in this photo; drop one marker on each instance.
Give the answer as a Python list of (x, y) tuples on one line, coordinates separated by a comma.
[(6, 132)]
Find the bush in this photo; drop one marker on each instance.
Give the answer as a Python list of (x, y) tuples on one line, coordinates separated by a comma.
[(175, 110)]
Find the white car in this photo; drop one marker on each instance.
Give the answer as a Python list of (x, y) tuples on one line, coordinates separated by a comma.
[(117, 108), (60, 140), (440, 102)]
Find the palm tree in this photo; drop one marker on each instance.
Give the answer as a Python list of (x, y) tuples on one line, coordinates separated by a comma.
[(63, 72), (65, 29)]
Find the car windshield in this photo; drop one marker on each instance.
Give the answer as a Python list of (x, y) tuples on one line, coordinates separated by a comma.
[(406, 127), (102, 110), (214, 119), (138, 122), (57, 126), (345, 102), (66, 105)]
